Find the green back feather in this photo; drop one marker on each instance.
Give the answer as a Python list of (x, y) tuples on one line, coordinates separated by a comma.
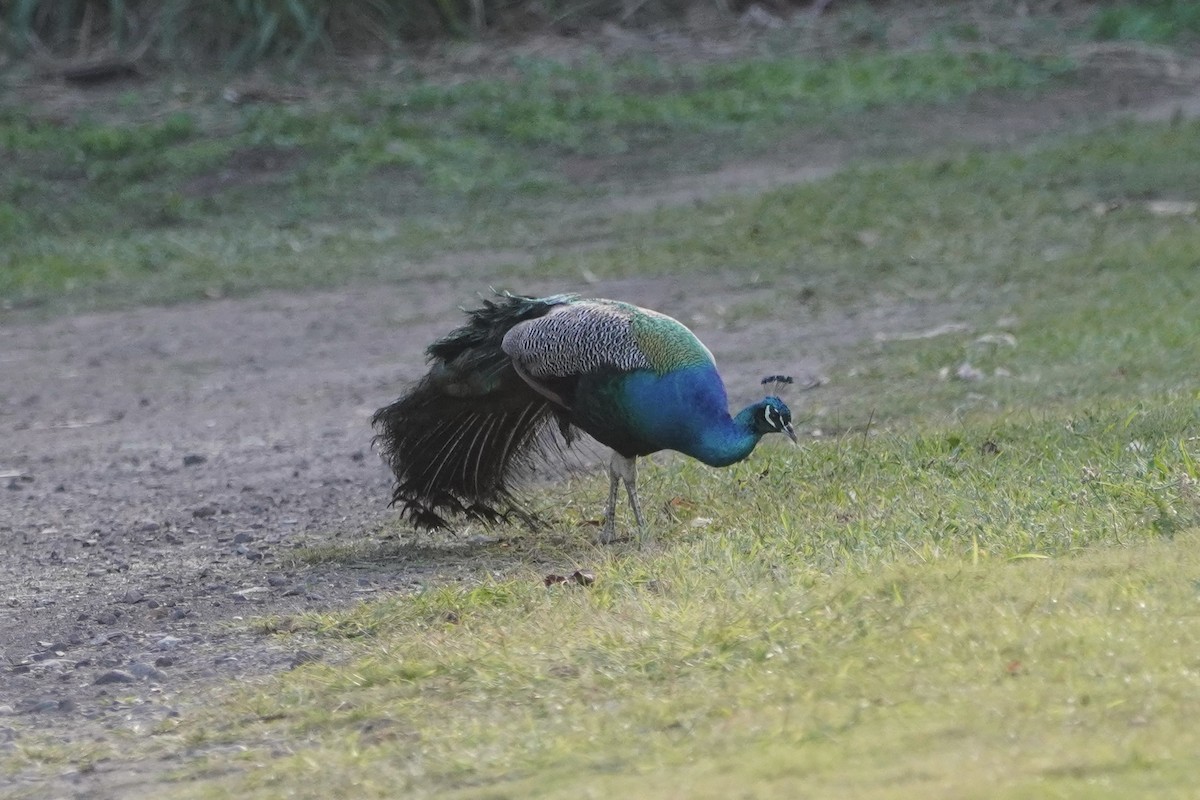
[(666, 342)]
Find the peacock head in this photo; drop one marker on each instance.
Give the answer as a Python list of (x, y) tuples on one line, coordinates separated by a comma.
[(772, 415)]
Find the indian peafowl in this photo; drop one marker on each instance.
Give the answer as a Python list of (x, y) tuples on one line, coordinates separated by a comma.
[(497, 388)]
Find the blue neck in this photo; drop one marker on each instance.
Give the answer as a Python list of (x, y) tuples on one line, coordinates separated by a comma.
[(685, 410), (726, 442)]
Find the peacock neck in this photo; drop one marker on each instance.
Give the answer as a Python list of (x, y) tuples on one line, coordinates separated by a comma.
[(729, 441)]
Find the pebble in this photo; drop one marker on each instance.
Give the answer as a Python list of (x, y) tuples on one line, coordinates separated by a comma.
[(168, 643), (192, 459), (106, 618), (966, 372), (148, 527), (242, 537), (114, 676), (146, 672), (132, 596), (42, 706), (204, 512), (53, 650), (58, 665), (277, 580)]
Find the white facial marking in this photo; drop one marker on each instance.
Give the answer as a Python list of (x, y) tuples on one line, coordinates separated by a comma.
[(771, 416)]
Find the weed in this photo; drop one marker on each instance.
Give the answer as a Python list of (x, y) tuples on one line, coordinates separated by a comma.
[(436, 162), (1155, 21)]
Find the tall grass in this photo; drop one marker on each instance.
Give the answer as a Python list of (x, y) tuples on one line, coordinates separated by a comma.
[(237, 33), (240, 32)]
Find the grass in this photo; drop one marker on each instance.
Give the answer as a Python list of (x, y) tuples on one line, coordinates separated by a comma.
[(1022, 246), (164, 198), (859, 618), (1156, 21), (237, 34), (965, 588), (1002, 574)]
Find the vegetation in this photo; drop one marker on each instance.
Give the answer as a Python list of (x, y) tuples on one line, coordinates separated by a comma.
[(1008, 585), (1155, 21), (726, 661), (236, 34), (968, 583), (999, 572), (243, 31), (146, 204)]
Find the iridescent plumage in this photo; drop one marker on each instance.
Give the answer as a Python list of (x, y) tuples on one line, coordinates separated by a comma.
[(528, 373)]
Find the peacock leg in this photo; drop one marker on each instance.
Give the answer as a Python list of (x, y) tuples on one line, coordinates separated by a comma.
[(608, 533), (630, 477), (620, 469)]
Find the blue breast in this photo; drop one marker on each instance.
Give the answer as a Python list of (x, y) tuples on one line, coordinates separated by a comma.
[(641, 412)]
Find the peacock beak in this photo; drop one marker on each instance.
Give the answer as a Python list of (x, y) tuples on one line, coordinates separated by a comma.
[(790, 431)]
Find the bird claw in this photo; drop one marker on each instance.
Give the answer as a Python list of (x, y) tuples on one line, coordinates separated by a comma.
[(608, 533)]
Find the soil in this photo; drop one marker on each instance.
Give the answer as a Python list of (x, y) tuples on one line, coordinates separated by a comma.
[(162, 469)]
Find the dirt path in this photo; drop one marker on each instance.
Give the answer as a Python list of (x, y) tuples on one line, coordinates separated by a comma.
[(160, 467)]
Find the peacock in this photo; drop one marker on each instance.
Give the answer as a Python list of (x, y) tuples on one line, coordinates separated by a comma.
[(525, 375)]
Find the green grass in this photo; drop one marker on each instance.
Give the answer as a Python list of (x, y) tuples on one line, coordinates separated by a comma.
[(236, 34), (141, 204), (1156, 21), (858, 618), (999, 575), (241, 33), (963, 589), (1066, 302)]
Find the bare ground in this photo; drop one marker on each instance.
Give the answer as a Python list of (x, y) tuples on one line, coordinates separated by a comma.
[(161, 468)]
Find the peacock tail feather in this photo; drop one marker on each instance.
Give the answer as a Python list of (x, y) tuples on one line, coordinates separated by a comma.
[(459, 438)]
